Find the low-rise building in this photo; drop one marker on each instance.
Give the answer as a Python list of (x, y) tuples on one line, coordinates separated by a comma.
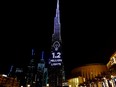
[(86, 74), (8, 81)]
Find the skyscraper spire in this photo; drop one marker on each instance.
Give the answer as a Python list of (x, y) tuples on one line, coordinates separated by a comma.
[(33, 52), (57, 32), (42, 55), (11, 70)]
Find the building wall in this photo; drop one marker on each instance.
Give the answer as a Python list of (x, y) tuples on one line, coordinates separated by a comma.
[(86, 72), (112, 64), (112, 61), (89, 71), (8, 82), (74, 82)]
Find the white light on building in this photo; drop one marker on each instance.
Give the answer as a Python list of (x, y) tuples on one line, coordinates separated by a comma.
[(114, 79), (28, 85), (47, 85), (4, 75)]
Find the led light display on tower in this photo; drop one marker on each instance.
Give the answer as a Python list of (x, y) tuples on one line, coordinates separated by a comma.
[(56, 58), (56, 67), (56, 55)]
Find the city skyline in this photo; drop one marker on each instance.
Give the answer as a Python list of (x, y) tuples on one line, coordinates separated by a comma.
[(81, 31)]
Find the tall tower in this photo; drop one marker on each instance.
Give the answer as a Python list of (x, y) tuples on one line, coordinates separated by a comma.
[(56, 67), (42, 73), (31, 71)]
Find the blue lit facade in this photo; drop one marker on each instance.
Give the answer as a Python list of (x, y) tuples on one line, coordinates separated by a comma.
[(37, 73), (42, 73)]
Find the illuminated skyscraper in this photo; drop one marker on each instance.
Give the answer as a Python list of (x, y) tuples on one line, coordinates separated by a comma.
[(56, 67), (31, 71), (42, 73)]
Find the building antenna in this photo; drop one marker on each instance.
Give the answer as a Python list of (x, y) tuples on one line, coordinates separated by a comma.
[(33, 52), (42, 55), (57, 31), (11, 69)]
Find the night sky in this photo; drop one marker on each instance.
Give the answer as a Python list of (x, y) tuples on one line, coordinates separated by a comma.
[(87, 31)]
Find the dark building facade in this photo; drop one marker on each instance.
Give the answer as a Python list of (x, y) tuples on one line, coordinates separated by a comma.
[(20, 75), (56, 73), (31, 71), (37, 73)]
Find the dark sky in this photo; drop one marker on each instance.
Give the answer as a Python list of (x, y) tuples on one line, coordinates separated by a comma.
[(87, 29)]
